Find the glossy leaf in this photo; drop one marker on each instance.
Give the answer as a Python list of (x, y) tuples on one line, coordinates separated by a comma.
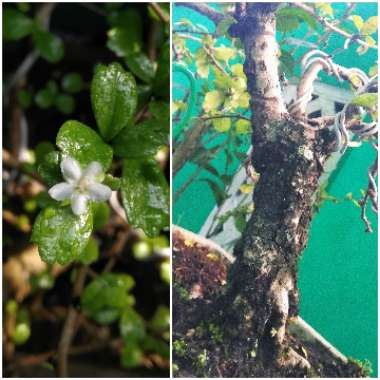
[(48, 168), (90, 252), (101, 212), (141, 66), (60, 235), (48, 45), (145, 195), (140, 141), (162, 79), (84, 144), (125, 36), (114, 98), (16, 24)]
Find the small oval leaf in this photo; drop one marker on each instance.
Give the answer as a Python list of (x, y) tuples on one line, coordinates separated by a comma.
[(114, 99)]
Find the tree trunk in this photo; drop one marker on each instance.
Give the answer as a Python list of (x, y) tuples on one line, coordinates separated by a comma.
[(262, 285)]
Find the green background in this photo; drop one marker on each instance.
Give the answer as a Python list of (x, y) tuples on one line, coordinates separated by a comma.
[(338, 271)]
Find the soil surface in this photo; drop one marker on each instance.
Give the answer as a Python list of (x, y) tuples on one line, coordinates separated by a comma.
[(201, 345)]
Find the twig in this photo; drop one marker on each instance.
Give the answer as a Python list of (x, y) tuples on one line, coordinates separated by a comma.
[(330, 26), (69, 328), (205, 10), (160, 13)]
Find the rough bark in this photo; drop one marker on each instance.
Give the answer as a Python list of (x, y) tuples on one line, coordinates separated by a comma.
[(263, 280)]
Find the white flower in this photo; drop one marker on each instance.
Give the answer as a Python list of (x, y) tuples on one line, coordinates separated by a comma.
[(80, 186)]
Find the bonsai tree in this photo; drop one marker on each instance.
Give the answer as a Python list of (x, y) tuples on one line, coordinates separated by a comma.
[(289, 150)]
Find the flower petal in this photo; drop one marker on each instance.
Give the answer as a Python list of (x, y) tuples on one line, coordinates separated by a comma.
[(79, 203), (61, 191), (70, 169), (93, 170), (99, 192)]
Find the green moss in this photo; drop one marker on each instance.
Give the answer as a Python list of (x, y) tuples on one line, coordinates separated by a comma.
[(365, 366), (179, 347)]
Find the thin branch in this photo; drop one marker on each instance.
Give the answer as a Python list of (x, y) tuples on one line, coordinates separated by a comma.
[(193, 32), (330, 26), (160, 13), (205, 10), (69, 328)]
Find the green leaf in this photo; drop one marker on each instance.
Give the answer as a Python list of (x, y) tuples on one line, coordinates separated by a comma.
[(296, 13), (72, 83), (114, 98), (84, 144), (42, 149), (212, 101), (60, 235), (222, 124), (48, 45), (161, 83), (160, 320), (131, 356), (24, 98), (367, 100), (112, 182), (141, 66), (44, 98), (286, 24), (90, 253), (145, 195), (16, 24), (369, 26), (49, 168), (106, 296), (132, 326), (101, 212), (141, 141), (65, 103), (161, 112), (125, 37)]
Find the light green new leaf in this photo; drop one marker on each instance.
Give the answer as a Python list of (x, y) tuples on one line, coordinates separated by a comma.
[(212, 101), (243, 126), (60, 235), (145, 195), (84, 144), (224, 53), (357, 20), (369, 26), (90, 253), (222, 124), (367, 100), (114, 98)]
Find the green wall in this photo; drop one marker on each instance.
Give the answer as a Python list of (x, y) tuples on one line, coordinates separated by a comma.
[(338, 271)]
